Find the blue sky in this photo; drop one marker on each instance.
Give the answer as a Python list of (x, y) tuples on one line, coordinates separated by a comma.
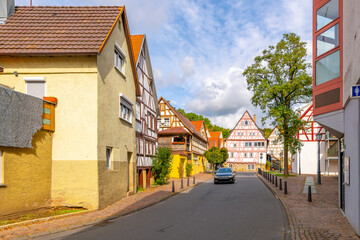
[(200, 48)]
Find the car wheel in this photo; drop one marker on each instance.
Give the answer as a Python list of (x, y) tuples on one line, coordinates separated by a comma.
[(215, 182)]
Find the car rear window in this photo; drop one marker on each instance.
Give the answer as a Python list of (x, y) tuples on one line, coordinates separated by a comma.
[(224, 170)]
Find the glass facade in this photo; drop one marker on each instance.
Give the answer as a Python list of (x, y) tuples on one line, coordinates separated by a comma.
[(327, 40), (327, 14), (328, 68)]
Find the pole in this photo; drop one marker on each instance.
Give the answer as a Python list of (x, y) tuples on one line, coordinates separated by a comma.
[(194, 180), (182, 184), (309, 194), (285, 187), (299, 161), (173, 186), (318, 172), (188, 182), (280, 185)]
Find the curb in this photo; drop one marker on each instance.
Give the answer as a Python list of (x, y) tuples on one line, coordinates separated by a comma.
[(38, 220), (284, 210), (80, 225)]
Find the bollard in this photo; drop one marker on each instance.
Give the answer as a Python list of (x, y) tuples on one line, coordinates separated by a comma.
[(194, 180), (188, 182), (270, 177), (273, 180), (182, 184), (309, 194), (276, 181), (280, 185), (173, 186), (285, 187)]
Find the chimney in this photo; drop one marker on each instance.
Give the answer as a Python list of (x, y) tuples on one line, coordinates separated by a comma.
[(255, 118), (7, 8)]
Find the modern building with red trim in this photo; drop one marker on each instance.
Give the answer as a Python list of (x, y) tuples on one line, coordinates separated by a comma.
[(336, 61)]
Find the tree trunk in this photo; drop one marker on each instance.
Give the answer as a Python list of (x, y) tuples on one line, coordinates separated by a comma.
[(213, 168), (286, 161)]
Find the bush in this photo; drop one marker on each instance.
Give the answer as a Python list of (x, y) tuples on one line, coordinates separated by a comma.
[(188, 168), (162, 165)]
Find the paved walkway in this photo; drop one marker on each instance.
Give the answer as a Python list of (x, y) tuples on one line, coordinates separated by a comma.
[(319, 219), (120, 208), (309, 182)]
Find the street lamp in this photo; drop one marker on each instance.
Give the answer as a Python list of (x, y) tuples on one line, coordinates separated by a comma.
[(318, 138)]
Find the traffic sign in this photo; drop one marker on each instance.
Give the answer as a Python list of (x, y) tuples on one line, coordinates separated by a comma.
[(355, 91)]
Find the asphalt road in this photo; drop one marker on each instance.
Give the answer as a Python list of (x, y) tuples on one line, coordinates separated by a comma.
[(244, 210)]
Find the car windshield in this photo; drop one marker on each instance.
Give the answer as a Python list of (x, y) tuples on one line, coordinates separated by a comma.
[(224, 170)]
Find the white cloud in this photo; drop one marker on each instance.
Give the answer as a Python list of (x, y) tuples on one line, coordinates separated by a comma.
[(188, 66)]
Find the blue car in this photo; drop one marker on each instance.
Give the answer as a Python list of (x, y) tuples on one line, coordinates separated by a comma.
[(224, 175)]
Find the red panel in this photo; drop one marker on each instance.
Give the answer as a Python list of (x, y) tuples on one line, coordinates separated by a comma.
[(335, 83)]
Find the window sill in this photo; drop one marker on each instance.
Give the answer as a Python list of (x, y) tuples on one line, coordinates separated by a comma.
[(2, 185), (123, 119), (121, 73)]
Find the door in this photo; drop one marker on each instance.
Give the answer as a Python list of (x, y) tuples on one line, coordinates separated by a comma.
[(148, 176), (342, 181)]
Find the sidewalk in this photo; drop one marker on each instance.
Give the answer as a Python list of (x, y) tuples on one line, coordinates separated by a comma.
[(319, 219), (123, 207)]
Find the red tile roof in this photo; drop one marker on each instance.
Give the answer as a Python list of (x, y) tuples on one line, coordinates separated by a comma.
[(44, 30), (197, 125), (213, 142), (175, 130), (136, 41), (215, 134)]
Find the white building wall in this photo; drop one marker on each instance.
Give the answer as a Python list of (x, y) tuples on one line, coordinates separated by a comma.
[(309, 158)]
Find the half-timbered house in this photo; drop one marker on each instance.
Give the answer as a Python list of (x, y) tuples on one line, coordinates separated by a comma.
[(199, 162), (147, 112), (177, 132), (216, 139), (246, 145), (306, 159), (275, 149)]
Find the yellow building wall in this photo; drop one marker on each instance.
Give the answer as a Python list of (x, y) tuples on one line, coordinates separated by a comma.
[(27, 176), (112, 130), (73, 81), (243, 167), (178, 166)]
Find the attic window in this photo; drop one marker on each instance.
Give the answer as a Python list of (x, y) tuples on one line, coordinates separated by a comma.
[(119, 59)]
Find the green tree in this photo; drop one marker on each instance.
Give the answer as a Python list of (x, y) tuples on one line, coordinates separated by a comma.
[(267, 132), (214, 156), (225, 154), (279, 79), (162, 165)]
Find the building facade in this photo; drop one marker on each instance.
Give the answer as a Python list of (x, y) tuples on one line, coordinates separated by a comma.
[(246, 145), (336, 57), (94, 77), (275, 149), (147, 112), (305, 161), (216, 139), (187, 144)]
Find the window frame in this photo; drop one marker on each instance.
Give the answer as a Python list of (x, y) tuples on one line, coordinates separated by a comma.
[(34, 80), (126, 103), (118, 52), (165, 122), (109, 158)]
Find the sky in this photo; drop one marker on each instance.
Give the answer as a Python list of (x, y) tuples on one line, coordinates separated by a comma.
[(199, 48)]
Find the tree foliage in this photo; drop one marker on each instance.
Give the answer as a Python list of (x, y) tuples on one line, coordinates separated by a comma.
[(216, 156), (162, 165), (195, 117), (279, 80), (267, 132)]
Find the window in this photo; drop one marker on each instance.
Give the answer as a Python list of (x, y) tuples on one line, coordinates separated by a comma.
[(137, 110), (328, 68), (250, 144), (119, 58), (234, 144), (167, 122), (125, 108), (242, 134), (1, 167), (327, 40), (251, 155), (245, 155), (246, 144), (238, 133), (255, 144), (263, 144), (246, 123), (232, 154), (35, 86), (251, 167), (141, 146), (108, 157), (146, 148), (327, 13)]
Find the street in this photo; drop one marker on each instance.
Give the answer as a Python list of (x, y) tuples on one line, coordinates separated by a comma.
[(244, 210)]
